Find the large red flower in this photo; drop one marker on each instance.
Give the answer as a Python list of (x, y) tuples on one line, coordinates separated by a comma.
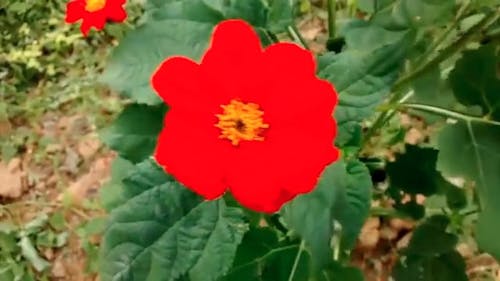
[(255, 121), (95, 13)]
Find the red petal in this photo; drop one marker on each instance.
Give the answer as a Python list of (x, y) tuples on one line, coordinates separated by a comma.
[(85, 27), (254, 186), (233, 59), (190, 150), (116, 13), (286, 162), (179, 83), (75, 10), (292, 88)]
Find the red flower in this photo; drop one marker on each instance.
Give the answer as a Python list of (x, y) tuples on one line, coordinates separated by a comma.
[(94, 13), (255, 121)]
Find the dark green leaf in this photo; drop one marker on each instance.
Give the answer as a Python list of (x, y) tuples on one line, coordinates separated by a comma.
[(415, 171), (431, 254), (338, 272), (456, 198), (134, 133), (446, 267), (475, 79), (441, 242), (164, 231), (412, 209), (261, 257)]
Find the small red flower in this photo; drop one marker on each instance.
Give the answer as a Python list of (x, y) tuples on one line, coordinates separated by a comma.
[(94, 13), (255, 121)]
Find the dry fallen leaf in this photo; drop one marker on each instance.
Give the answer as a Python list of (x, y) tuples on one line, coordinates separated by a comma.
[(88, 147), (403, 242), (11, 177), (399, 224), (370, 234), (85, 185)]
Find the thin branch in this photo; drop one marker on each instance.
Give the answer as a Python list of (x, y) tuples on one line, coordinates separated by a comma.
[(295, 34), (332, 14), (448, 113), (296, 262)]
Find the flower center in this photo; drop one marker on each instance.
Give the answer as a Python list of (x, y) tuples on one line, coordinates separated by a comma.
[(95, 5), (241, 121)]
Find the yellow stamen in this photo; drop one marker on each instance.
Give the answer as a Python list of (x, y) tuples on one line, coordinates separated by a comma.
[(241, 121), (95, 5)]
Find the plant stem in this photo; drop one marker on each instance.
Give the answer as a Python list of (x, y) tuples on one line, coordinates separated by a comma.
[(262, 258), (444, 54), (448, 113), (386, 212), (272, 37), (296, 262), (404, 82), (337, 239), (332, 11), (295, 34), (435, 46)]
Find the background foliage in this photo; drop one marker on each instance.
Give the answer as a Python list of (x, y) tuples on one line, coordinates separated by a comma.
[(435, 59), (438, 57)]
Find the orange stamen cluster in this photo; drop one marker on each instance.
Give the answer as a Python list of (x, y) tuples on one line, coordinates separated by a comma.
[(241, 122), (95, 5)]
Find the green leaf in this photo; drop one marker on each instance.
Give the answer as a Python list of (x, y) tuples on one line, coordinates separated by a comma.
[(414, 171), (475, 80), (355, 208), (363, 79), (134, 133), (257, 245), (338, 272), (312, 215), (368, 36), (431, 254), (8, 243), (417, 14), (280, 15), (164, 231), (252, 11), (371, 6), (471, 149), (133, 62), (57, 221), (204, 11), (343, 193), (262, 257), (30, 253)]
